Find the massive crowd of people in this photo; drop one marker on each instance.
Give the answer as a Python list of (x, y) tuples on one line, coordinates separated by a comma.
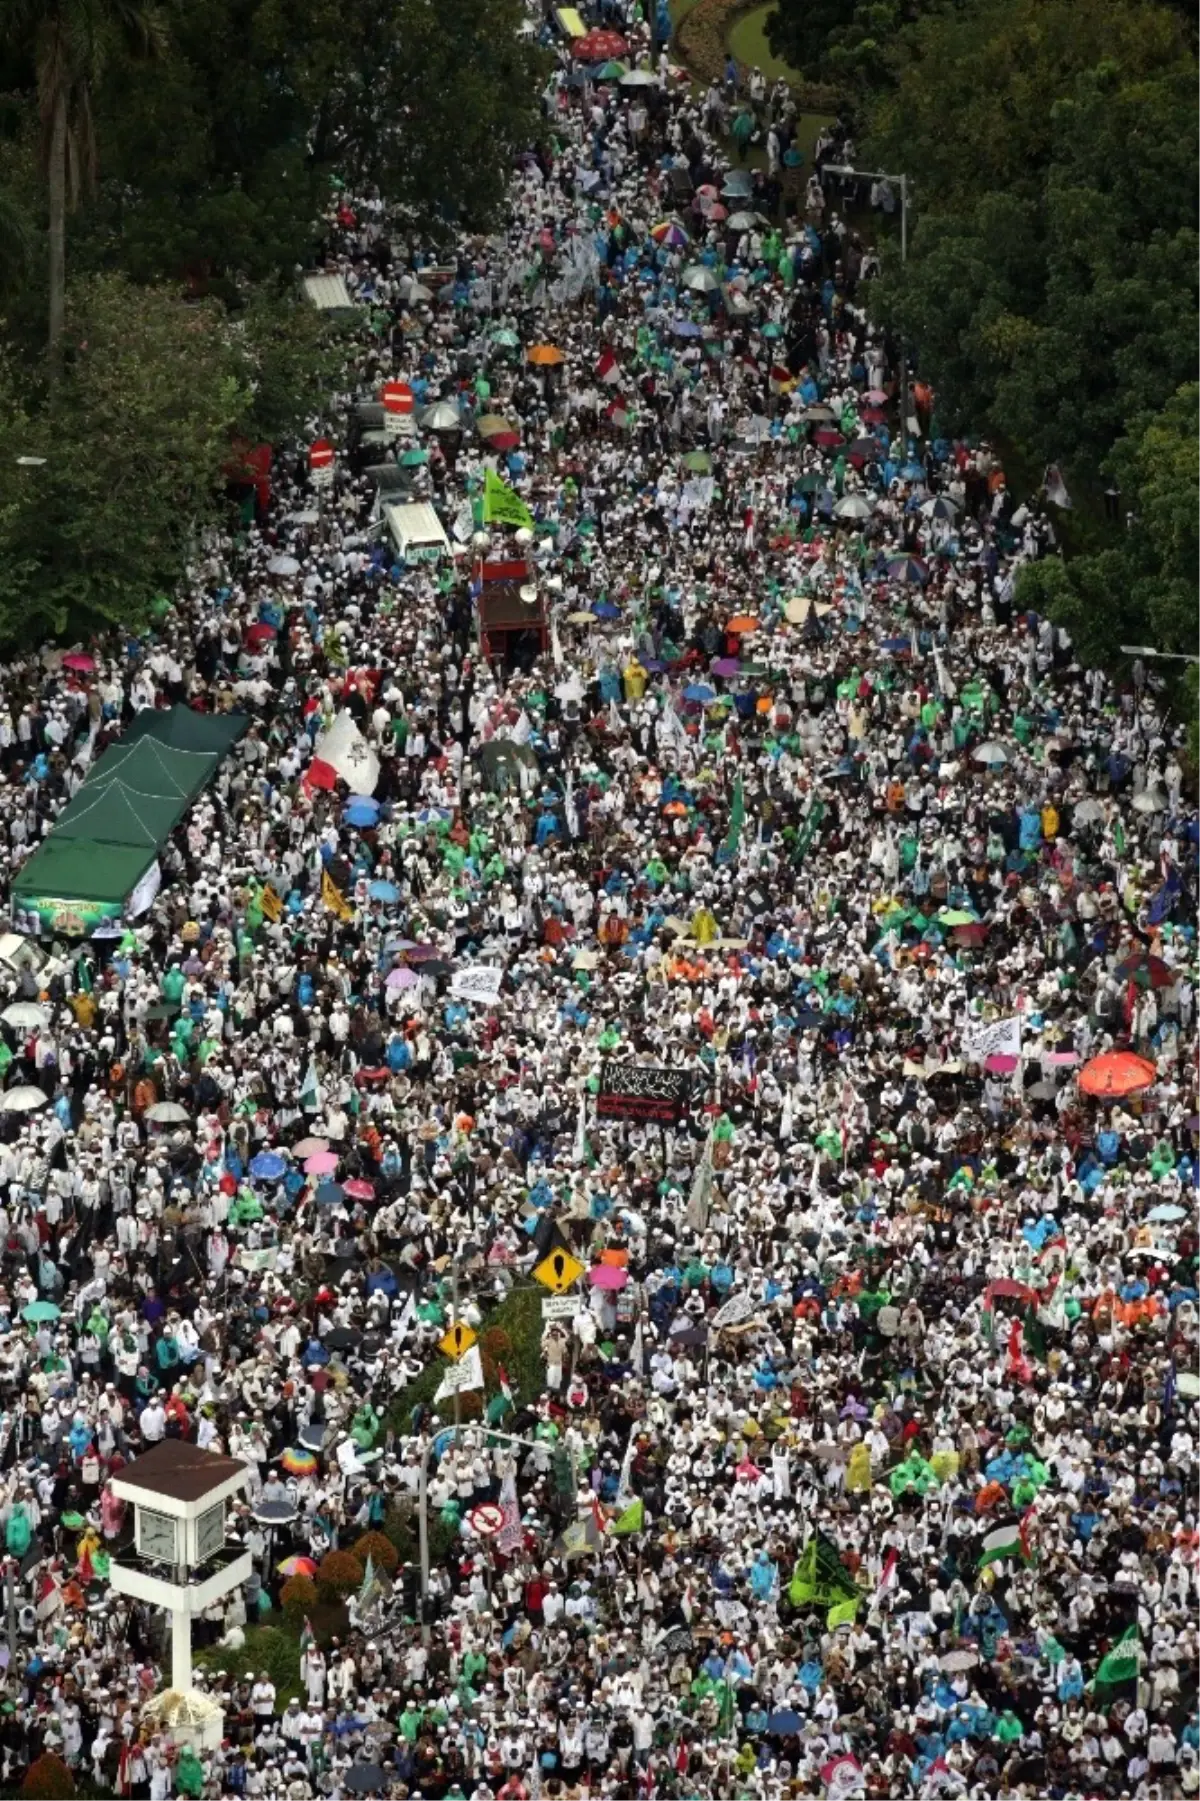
[(866, 1462)]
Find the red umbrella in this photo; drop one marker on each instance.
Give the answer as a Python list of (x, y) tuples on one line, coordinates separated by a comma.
[(79, 660), (262, 633), (599, 47), (827, 436), (359, 1188), (1116, 1073), (872, 415)]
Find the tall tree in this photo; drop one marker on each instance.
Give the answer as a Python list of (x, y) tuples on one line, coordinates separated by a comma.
[(72, 44)]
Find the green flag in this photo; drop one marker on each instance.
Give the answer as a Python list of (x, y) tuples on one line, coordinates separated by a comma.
[(737, 818), (809, 830), (1120, 1666), (842, 1614), (821, 1576), (632, 1520), (500, 505)]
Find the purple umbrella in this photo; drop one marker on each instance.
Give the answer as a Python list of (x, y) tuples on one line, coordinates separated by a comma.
[(725, 666), (403, 978)]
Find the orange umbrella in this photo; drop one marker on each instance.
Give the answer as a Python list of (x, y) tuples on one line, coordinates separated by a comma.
[(617, 1258), (546, 355), (1116, 1073), (742, 622)]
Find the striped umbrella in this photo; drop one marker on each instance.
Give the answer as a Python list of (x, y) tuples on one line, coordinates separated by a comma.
[(670, 233)]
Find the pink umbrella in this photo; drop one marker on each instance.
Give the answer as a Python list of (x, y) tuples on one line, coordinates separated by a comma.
[(403, 978), (79, 659), (875, 397), (359, 1188), (1060, 1057), (1000, 1065), (605, 1276), (321, 1163), (308, 1147)]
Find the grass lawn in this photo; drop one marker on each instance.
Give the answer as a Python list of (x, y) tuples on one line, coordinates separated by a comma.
[(748, 41)]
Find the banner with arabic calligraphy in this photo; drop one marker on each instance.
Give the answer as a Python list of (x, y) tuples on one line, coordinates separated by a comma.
[(643, 1091)]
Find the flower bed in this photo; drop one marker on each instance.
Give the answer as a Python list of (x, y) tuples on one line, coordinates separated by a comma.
[(703, 39)]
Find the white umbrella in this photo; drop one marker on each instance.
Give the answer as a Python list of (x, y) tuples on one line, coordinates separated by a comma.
[(743, 221), (639, 78), (283, 565), (416, 291), (700, 279), (24, 1014), (442, 416), (24, 1099), (854, 506), (168, 1113), (1150, 800), (1088, 811), (991, 753), (305, 516), (940, 506)]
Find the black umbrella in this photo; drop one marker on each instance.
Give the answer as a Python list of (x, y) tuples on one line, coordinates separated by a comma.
[(340, 1339), (366, 1778)]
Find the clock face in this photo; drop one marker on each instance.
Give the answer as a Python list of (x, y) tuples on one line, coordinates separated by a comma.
[(210, 1532), (156, 1535)]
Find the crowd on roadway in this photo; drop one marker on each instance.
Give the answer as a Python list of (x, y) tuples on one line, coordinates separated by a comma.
[(866, 1463)]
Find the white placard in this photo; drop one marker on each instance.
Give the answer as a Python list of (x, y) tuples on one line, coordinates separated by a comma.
[(1000, 1039), (479, 983), (560, 1306), (461, 1377)]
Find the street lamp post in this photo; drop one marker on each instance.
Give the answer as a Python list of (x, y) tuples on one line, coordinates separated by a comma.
[(902, 182), (1160, 656)]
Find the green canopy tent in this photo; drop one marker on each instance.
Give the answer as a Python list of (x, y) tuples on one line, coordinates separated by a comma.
[(101, 859)]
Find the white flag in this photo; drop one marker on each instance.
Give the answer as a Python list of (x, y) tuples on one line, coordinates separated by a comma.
[(348, 754), (700, 1199)]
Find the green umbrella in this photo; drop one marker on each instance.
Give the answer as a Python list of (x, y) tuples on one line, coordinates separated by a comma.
[(508, 340), (38, 1312), (412, 459), (698, 461)]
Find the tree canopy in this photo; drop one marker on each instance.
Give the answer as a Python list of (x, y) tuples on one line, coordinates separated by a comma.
[(164, 170)]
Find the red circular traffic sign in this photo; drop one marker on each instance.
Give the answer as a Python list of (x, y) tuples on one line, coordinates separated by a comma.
[(397, 397), (320, 454)]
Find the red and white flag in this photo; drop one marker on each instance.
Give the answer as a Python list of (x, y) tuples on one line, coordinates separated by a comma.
[(889, 1580), (608, 369)]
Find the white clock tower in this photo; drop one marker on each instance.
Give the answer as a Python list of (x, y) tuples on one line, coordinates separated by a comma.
[(179, 1559)]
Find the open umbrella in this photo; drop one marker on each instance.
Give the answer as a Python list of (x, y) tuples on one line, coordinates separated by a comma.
[(308, 1147), (490, 424), (640, 78), (297, 1566), (79, 661), (742, 624), (1140, 968), (362, 812), (744, 221), (854, 506), (40, 1313), (699, 693), (954, 1661), (359, 1189), (940, 506), (383, 891), (669, 233), (738, 185), (321, 1163), (330, 1193), (598, 46), (605, 1276), (268, 1166), (167, 1113), (402, 978), (1165, 1213), (784, 1722), (546, 356), (283, 565), (993, 755), (1116, 1073), (366, 1778), (298, 1462), (700, 279), (25, 1015), (442, 416), (908, 569), (698, 462)]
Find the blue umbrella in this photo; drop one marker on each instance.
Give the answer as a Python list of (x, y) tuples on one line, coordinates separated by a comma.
[(604, 609), (687, 328), (898, 646), (329, 1193), (1168, 1211), (699, 691), (784, 1722), (361, 811), (383, 891), (269, 1166)]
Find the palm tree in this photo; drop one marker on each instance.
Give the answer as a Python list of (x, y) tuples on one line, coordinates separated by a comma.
[(72, 42)]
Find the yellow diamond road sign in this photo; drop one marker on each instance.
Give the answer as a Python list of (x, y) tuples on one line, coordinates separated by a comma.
[(458, 1341), (557, 1271)]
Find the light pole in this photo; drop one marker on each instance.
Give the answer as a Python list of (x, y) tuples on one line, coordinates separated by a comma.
[(1161, 656), (902, 181)]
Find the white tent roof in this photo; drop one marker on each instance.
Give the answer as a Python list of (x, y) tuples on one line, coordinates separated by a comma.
[(328, 293)]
